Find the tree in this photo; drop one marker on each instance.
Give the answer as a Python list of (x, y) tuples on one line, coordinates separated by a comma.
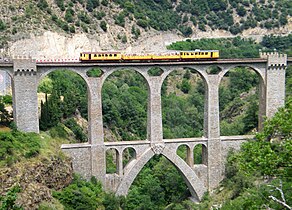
[(103, 25)]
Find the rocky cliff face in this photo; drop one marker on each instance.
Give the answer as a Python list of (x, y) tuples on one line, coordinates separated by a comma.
[(53, 45), (36, 180)]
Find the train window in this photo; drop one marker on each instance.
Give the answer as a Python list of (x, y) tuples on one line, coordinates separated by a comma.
[(206, 53), (80, 54), (95, 55), (115, 55), (106, 55), (110, 55), (99, 55), (196, 53), (192, 53)]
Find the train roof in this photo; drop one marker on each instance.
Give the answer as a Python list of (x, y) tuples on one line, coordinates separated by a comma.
[(198, 50), (101, 52)]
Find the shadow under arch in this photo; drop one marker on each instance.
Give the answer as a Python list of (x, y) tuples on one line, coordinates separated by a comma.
[(195, 185)]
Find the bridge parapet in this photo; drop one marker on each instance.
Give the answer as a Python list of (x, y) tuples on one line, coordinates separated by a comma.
[(275, 59), (24, 64)]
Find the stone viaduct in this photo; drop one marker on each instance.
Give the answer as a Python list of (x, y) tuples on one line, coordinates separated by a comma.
[(89, 159)]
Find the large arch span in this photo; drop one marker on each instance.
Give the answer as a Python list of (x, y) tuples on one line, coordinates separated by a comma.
[(194, 184)]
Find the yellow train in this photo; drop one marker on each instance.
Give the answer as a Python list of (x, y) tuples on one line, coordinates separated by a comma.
[(170, 56)]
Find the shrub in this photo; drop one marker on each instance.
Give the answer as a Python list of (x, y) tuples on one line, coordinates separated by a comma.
[(76, 129), (103, 25), (16, 145)]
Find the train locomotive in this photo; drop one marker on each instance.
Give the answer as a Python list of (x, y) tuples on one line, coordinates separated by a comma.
[(148, 57)]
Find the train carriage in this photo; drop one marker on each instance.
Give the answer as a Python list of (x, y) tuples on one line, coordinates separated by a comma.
[(166, 56), (169, 56), (199, 54), (100, 56), (136, 57)]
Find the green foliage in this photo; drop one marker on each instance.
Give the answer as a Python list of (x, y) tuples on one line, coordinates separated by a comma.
[(42, 4), (120, 19), (281, 43), (156, 186), (58, 131), (8, 201), (229, 48), (124, 104), (2, 25), (81, 194), (238, 102), (95, 72), (69, 15), (182, 116), (60, 4), (84, 17), (45, 86), (270, 154), (155, 71), (5, 116), (68, 94), (103, 25), (77, 130), (186, 30), (136, 32), (16, 145)]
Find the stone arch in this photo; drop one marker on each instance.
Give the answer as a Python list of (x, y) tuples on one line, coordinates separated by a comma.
[(202, 155), (195, 185), (108, 155), (83, 76), (201, 72), (254, 68), (199, 120), (260, 72), (186, 149), (132, 156), (141, 71), (46, 71)]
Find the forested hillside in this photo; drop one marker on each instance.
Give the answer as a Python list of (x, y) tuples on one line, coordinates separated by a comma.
[(261, 166), (19, 18)]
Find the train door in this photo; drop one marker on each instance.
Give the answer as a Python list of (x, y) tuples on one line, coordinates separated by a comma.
[(211, 54), (89, 55)]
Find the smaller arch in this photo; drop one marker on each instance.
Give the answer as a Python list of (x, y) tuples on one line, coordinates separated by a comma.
[(184, 152), (112, 161), (200, 154), (129, 154)]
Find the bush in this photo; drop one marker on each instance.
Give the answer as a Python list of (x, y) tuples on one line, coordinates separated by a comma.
[(87, 195), (103, 25), (76, 129), (16, 145), (2, 25)]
